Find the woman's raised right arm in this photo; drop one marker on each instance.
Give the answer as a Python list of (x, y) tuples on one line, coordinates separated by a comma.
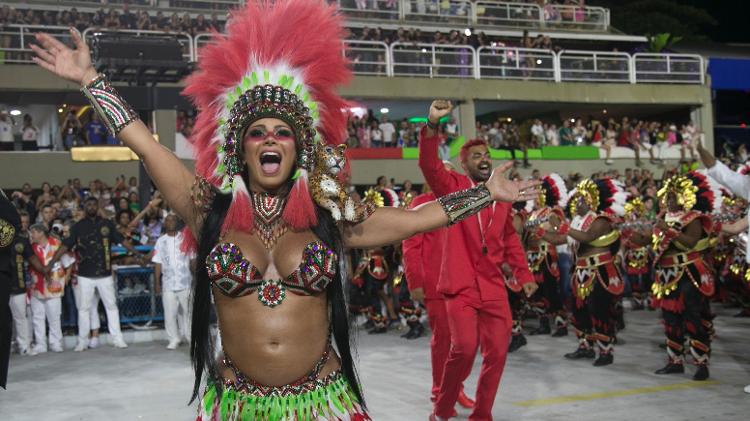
[(169, 174)]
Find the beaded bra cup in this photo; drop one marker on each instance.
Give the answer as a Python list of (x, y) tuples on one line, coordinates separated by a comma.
[(235, 276)]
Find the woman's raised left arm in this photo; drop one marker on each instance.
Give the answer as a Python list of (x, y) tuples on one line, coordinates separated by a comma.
[(391, 225)]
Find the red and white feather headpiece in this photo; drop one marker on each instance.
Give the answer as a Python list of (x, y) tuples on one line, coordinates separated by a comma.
[(281, 59)]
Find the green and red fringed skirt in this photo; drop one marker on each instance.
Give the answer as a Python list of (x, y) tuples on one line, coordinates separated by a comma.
[(329, 399)]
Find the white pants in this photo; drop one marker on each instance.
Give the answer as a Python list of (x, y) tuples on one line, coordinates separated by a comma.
[(94, 323), (106, 288), (21, 320), (176, 314), (51, 310)]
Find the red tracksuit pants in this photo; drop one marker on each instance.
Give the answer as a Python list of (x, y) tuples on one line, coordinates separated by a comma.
[(474, 323), (440, 342)]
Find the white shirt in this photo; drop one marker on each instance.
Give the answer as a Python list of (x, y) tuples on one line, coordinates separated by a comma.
[(6, 131), (739, 184), (388, 129), (175, 265), (29, 134)]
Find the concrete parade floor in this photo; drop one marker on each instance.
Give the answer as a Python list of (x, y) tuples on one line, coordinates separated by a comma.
[(148, 382)]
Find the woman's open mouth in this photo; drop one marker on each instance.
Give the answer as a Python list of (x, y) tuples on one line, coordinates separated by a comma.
[(270, 163)]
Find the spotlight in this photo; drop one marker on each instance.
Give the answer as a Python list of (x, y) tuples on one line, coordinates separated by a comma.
[(15, 113), (604, 111), (509, 119), (538, 61), (572, 120), (467, 32), (384, 110), (60, 110), (424, 50)]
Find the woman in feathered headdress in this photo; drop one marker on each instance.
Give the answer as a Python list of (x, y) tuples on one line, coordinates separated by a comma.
[(684, 282), (265, 195), (542, 255), (597, 283)]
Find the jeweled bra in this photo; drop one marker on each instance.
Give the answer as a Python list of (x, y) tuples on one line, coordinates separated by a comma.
[(235, 276)]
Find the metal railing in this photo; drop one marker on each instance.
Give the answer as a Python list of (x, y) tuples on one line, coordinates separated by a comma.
[(374, 58), (469, 12), (371, 9), (671, 68), (15, 40), (178, 5), (515, 63), (454, 11), (480, 12), (185, 39), (368, 58), (569, 17), (594, 66), (433, 60), (201, 40), (488, 12)]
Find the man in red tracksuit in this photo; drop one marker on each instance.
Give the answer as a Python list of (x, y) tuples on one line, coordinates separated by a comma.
[(471, 279), (422, 256)]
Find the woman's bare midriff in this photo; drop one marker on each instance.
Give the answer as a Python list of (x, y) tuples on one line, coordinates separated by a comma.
[(274, 346)]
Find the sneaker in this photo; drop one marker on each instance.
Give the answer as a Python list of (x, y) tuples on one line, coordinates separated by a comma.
[(80, 347), (94, 342), (609, 162), (38, 349), (56, 348), (747, 389), (581, 353), (516, 342), (702, 373), (604, 359), (671, 368), (119, 343), (173, 345)]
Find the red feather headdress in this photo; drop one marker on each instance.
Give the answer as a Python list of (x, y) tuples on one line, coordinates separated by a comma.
[(281, 59)]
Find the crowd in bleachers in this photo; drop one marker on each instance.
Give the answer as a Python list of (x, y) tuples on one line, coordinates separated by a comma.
[(505, 133), (112, 18)]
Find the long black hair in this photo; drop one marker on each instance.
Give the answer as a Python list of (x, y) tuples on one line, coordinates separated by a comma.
[(202, 341)]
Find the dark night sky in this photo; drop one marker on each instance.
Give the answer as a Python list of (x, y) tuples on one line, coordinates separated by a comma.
[(708, 20)]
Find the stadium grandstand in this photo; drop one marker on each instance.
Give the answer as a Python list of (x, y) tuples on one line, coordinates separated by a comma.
[(556, 86)]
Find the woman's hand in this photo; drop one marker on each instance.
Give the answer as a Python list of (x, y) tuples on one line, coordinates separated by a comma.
[(73, 65), (504, 190)]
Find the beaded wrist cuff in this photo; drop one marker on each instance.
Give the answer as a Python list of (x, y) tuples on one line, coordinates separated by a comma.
[(464, 203), (109, 105)]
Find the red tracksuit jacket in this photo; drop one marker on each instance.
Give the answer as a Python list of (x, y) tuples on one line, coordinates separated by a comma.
[(464, 264), (423, 255)]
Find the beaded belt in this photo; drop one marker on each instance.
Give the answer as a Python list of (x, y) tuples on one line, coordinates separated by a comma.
[(305, 383), (679, 259), (595, 260)]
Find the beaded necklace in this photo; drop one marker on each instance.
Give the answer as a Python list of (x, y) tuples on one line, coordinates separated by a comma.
[(268, 223)]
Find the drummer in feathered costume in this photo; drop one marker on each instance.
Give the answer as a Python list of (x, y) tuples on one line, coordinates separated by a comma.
[(542, 255), (268, 249), (597, 282), (684, 282), (636, 236)]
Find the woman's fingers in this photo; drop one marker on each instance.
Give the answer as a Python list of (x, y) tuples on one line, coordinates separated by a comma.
[(79, 43), (49, 42), (43, 64), (42, 53)]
